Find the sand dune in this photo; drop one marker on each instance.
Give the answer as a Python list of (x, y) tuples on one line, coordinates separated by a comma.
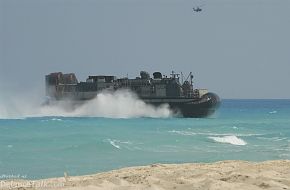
[(220, 175)]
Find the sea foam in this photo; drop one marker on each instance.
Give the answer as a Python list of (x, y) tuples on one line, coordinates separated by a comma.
[(230, 140)]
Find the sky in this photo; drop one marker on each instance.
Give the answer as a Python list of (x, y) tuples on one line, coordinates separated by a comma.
[(235, 48)]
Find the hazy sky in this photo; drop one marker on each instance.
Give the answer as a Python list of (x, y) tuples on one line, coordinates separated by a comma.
[(236, 48)]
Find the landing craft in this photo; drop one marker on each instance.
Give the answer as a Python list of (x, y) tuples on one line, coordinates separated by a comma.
[(182, 98)]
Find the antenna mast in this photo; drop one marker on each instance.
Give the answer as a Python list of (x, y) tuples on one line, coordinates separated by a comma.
[(181, 78), (191, 78)]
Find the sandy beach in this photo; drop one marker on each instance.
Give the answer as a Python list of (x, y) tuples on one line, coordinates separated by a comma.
[(219, 175)]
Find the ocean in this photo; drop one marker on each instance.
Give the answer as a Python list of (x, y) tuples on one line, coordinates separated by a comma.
[(47, 146)]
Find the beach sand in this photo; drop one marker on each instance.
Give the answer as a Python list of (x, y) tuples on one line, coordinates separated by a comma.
[(220, 175)]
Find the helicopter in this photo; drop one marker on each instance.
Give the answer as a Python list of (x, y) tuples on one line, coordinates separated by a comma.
[(196, 9)]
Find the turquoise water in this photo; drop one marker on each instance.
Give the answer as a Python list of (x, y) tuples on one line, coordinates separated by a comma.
[(42, 147)]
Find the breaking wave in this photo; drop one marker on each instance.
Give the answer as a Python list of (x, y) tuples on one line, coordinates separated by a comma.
[(118, 104), (273, 112), (190, 133), (230, 140), (113, 143), (117, 143)]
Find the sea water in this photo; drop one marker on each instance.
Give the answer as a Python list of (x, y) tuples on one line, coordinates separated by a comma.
[(42, 147)]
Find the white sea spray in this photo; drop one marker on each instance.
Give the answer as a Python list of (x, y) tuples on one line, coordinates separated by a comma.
[(118, 104)]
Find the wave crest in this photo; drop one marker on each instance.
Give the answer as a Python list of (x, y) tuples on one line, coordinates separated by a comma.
[(230, 140)]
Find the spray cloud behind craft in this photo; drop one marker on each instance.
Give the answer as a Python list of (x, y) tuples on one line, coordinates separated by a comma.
[(118, 104)]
